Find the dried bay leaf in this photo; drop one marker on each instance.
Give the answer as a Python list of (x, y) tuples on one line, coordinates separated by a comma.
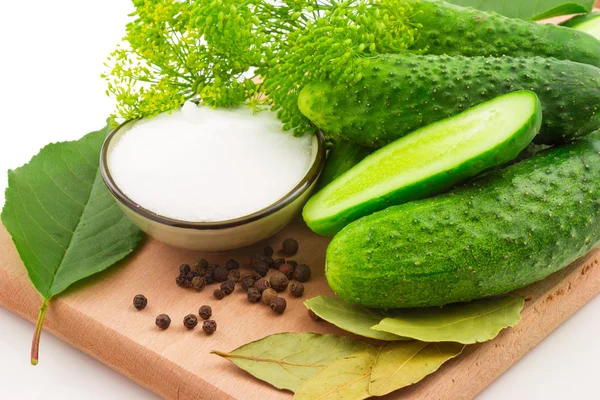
[(474, 322), (350, 317), (345, 378), (286, 360), (400, 364)]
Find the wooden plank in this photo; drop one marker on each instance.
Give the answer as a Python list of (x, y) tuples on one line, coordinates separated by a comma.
[(98, 318)]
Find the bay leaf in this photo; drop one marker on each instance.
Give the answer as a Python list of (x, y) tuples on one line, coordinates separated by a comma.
[(400, 364), (62, 219), (474, 322), (536, 10), (345, 378), (286, 360), (351, 318)]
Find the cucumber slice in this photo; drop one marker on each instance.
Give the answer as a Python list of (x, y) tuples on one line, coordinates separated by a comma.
[(428, 161), (343, 156), (588, 23)]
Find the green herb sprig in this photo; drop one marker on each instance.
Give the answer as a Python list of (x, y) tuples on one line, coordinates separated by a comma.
[(224, 53)]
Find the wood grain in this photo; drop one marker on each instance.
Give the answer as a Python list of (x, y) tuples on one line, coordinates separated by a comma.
[(98, 318)]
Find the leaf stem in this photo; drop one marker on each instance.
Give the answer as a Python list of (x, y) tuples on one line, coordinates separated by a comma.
[(35, 343)]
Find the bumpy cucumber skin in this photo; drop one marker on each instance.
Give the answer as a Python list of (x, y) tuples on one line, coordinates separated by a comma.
[(438, 183), (496, 234), (401, 93), (343, 155), (453, 30)]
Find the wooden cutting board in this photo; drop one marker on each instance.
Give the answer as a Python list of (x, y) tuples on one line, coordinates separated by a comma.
[(97, 317)]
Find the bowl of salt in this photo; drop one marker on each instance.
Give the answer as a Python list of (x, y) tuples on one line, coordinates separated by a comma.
[(210, 179)]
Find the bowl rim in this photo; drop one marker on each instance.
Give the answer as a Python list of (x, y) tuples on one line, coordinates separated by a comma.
[(309, 179)]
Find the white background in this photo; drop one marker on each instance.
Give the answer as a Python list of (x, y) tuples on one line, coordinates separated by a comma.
[(51, 55)]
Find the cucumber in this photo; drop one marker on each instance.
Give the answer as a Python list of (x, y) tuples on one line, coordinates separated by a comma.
[(499, 233), (428, 161), (401, 93), (342, 156), (588, 23), (453, 30)]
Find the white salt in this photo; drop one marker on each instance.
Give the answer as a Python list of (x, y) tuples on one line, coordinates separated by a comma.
[(202, 165)]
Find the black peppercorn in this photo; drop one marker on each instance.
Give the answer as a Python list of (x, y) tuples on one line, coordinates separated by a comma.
[(219, 294), (314, 316), (269, 261), (278, 262), (140, 302), (254, 295), (200, 267), (297, 289), (209, 326), (247, 283), (262, 269), (208, 277), (292, 263), (163, 321), (228, 287), (189, 276), (231, 265), (268, 251), (220, 274), (279, 281), (290, 247), (190, 321), (254, 261), (234, 275), (255, 275), (198, 283), (268, 295), (278, 305), (287, 270), (184, 269), (302, 273), (205, 312), (262, 284), (181, 281)]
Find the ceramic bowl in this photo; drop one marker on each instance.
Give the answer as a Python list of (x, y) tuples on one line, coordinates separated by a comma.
[(215, 236)]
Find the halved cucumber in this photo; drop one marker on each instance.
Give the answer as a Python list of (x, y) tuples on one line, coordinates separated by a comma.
[(588, 23), (343, 155), (428, 161)]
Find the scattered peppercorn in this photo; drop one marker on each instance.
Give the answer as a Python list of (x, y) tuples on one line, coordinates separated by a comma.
[(297, 289), (287, 270), (292, 263), (262, 284), (268, 251), (268, 295), (254, 261), (278, 304), (198, 283), (209, 326), (278, 262), (205, 312), (269, 261), (189, 276), (220, 274), (290, 247), (190, 321), (228, 287), (219, 294), (232, 265), (279, 281), (184, 269), (255, 275), (314, 316), (208, 278), (302, 273), (262, 269), (200, 266), (247, 283), (140, 302), (234, 275), (180, 281), (254, 295), (163, 321)]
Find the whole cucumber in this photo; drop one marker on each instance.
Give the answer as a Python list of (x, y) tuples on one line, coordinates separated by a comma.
[(453, 30), (401, 93), (498, 233)]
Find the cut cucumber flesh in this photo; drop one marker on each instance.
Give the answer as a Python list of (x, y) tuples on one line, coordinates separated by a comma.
[(343, 156), (428, 161)]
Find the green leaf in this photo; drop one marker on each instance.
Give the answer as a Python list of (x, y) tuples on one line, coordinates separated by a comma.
[(286, 360), (351, 318), (65, 224), (400, 364), (535, 10), (346, 378), (474, 322)]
